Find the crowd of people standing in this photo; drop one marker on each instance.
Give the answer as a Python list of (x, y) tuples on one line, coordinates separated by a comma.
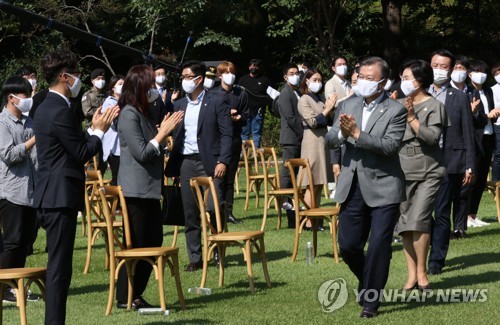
[(407, 157)]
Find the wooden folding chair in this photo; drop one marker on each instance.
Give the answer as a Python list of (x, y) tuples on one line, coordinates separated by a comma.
[(158, 257), (217, 237), (310, 212), (494, 187), (272, 188), (14, 278), (96, 224)]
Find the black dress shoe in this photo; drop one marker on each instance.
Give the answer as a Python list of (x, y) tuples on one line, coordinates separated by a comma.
[(233, 219), (368, 313), (434, 270), (216, 257), (194, 266), (137, 303), (459, 234)]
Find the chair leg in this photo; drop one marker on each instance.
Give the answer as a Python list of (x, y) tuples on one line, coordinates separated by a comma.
[(112, 282), (279, 204), (180, 295), (130, 279), (205, 268), (314, 225), (298, 228), (248, 250), (89, 250), (21, 300), (334, 239), (222, 254), (161, 290), (257, 193), (236, 183), (264, 217), (247, 194), (2, 288), (263, 259)]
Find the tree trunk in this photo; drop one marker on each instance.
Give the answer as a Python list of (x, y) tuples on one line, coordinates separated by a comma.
[(391, 11)]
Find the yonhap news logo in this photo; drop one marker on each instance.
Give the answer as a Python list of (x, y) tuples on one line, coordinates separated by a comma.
[(333, 294)]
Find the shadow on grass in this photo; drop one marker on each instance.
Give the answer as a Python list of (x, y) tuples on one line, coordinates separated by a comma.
[(190, 321), (88, 289), (462, 262), (486, 232)]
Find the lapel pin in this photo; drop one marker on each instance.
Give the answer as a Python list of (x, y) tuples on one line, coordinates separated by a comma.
[(382, 110), (450, 93), (425, 108)]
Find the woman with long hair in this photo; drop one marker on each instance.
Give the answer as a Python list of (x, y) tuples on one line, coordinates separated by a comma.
[(141, 171)]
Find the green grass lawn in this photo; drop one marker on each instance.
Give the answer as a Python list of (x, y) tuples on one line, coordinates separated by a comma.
[(471, 263)]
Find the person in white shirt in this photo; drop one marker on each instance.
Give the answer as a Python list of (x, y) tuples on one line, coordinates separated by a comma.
[(338, 83)]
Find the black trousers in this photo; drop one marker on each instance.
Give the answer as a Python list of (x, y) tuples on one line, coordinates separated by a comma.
[(483, 168), (60, 225), (192, 229), (448, 193), (18, 224), (289, 152), (228, 191), (114, 165), (357, 223), (146, 230)]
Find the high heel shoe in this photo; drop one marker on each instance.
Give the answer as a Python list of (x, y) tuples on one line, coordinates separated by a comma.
[(413, 287), (424, 288)]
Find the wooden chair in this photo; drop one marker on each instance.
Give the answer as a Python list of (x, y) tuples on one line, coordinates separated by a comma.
[(14, 278), (253, 174), (158, 257), (96, 223), (494, 187), (92, 165), (272, 188), (310, 212), (246, 240)]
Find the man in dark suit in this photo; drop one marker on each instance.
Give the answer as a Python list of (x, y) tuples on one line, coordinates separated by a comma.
[(62, 150), (292, 131), (459, 148), (371, 183), (202, 147)]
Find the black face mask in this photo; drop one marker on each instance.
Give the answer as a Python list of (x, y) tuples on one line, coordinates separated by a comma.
[(254, 70)]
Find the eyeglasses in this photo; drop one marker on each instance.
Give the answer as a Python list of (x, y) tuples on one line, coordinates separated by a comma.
[(188, 77)]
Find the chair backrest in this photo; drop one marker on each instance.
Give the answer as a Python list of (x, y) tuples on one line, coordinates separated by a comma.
[(270, 160), (92, 164), (250, 157), (110, 197), (201, 197), (299, 180), (93, 180)]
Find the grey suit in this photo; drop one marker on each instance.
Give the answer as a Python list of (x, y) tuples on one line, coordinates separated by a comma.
[(374, 156), (141, 166), (370, 188), (140, 175)]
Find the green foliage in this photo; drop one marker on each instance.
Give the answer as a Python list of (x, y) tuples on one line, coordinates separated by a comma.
[(271, 132), (211, 37)]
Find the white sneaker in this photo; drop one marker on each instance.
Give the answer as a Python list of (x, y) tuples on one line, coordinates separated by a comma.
[(332, 195), (481, 223), (471, 223), (287, 206)]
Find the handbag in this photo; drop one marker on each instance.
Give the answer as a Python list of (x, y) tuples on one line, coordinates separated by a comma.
[(172, 209)]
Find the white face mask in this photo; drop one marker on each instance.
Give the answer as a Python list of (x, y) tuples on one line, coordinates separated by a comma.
[(228, 78), (478, 77), (368, 88), (77, 85), (99, 84), (153, 94), (341, 70), (160, 79), (458, 76), (293, 79), (314, 87), (388, 85), (208, 83), (440, 76), (355, 90), (24, 104), (497, 78), (189, 85), (407, 87), (32, 83), (118, 89)]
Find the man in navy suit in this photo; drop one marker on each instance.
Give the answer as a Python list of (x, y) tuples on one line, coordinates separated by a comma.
[(459, 148), (202, 147), (62, 151)]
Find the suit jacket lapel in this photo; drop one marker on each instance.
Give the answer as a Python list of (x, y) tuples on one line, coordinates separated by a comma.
[(203, 111), (377, 112)]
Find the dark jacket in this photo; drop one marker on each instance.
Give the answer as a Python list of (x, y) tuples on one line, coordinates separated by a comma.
[(291, 123)]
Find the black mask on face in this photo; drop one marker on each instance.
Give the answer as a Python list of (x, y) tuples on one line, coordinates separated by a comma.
[(254, 70)]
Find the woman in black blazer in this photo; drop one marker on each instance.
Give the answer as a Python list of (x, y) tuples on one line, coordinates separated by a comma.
[(141, 171)]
